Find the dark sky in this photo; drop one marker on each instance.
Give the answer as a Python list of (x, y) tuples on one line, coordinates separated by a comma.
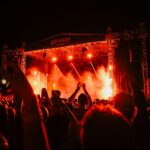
[(33, 21)]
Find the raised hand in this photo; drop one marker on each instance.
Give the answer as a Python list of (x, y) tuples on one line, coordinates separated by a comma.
[(79, 85), (83, 86)]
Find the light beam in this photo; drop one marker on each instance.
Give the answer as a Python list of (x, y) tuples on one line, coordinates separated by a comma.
[(75, 70)]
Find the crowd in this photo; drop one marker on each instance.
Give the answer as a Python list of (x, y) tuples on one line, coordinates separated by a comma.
[(40, 122)]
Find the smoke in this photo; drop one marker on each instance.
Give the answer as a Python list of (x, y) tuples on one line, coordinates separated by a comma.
[(96, 83), (37, 79)]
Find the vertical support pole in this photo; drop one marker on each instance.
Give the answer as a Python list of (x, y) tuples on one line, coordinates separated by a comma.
[(110, 56), (144, 64)]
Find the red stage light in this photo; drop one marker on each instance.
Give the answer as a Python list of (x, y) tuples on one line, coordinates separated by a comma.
[(89, 56), (110, 67), (70, 57), (54, 59), (53, 86), (35, 72)]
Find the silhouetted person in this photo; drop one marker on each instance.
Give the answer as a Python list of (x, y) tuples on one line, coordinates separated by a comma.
[(44, 99), (105, 128), (125, 103), (141, 124), (84, 101)]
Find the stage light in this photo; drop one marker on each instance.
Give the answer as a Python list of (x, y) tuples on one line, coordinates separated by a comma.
[(70, 57), (54, 59), (35, 82), (3, 81), (53, 86), (89, 55), (35, 72), (110, 67)]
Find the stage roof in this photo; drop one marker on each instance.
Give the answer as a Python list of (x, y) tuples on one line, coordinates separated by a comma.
[(65, 39)]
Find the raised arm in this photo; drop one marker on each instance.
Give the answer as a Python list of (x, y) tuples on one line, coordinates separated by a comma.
[(72, 97), (86, 92), (69, 113)]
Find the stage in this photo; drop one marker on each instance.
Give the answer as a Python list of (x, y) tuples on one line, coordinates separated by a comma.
[(63, 66)]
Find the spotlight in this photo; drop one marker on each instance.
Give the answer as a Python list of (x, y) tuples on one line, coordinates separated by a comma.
[(54, 59), (89, 55), (70, 57), (4, 81), (110, 67), (35, 72)]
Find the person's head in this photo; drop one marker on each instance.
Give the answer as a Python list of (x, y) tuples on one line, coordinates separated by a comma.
[(106, 128), (82, 99), (56, 93), (43, 92), (55, 99), (124, 102)]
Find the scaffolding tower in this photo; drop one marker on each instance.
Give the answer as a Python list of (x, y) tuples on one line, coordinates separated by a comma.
[(144, 63)]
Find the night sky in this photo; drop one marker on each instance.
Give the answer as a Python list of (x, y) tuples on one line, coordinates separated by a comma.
[(34, 21)]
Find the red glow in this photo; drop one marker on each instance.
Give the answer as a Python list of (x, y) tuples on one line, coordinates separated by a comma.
[(108, 91), (37, 80), (89, 55), (101, 88), (99, 83), (70, 57), (35, 72), (54, 59), (110, 67), (53, 86)]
